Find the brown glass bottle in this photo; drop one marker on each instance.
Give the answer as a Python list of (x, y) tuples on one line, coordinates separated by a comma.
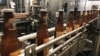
[(42, 33), (10, 46), (77, 20), (59, 29), (70, 25), (84, 19)]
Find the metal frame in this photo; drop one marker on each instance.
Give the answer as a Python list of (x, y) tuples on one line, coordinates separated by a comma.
[(41, 47), (52, 42), (31, 49), (96, 42)]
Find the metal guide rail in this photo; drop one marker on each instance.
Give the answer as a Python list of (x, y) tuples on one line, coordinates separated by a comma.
[(75, 42)]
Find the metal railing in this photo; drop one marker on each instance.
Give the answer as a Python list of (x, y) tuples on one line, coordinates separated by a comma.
[(54, 41), (33, 35)]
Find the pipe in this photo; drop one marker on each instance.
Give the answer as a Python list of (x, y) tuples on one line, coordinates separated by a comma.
[(89, 41), (93, 20), (20, 6), (0, 36), (25, 37), (8, 3)]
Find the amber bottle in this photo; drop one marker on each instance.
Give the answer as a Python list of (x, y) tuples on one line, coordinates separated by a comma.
[(10, 46)]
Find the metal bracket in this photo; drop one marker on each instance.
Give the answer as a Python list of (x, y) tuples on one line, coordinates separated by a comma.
[(30, 50)]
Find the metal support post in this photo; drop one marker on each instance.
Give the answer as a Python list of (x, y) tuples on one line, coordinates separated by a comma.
[(96, 45), (96, 42), (30, 50)]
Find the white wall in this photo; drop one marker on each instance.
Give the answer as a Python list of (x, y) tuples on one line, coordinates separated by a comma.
[(82, 5), (88, 4)]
